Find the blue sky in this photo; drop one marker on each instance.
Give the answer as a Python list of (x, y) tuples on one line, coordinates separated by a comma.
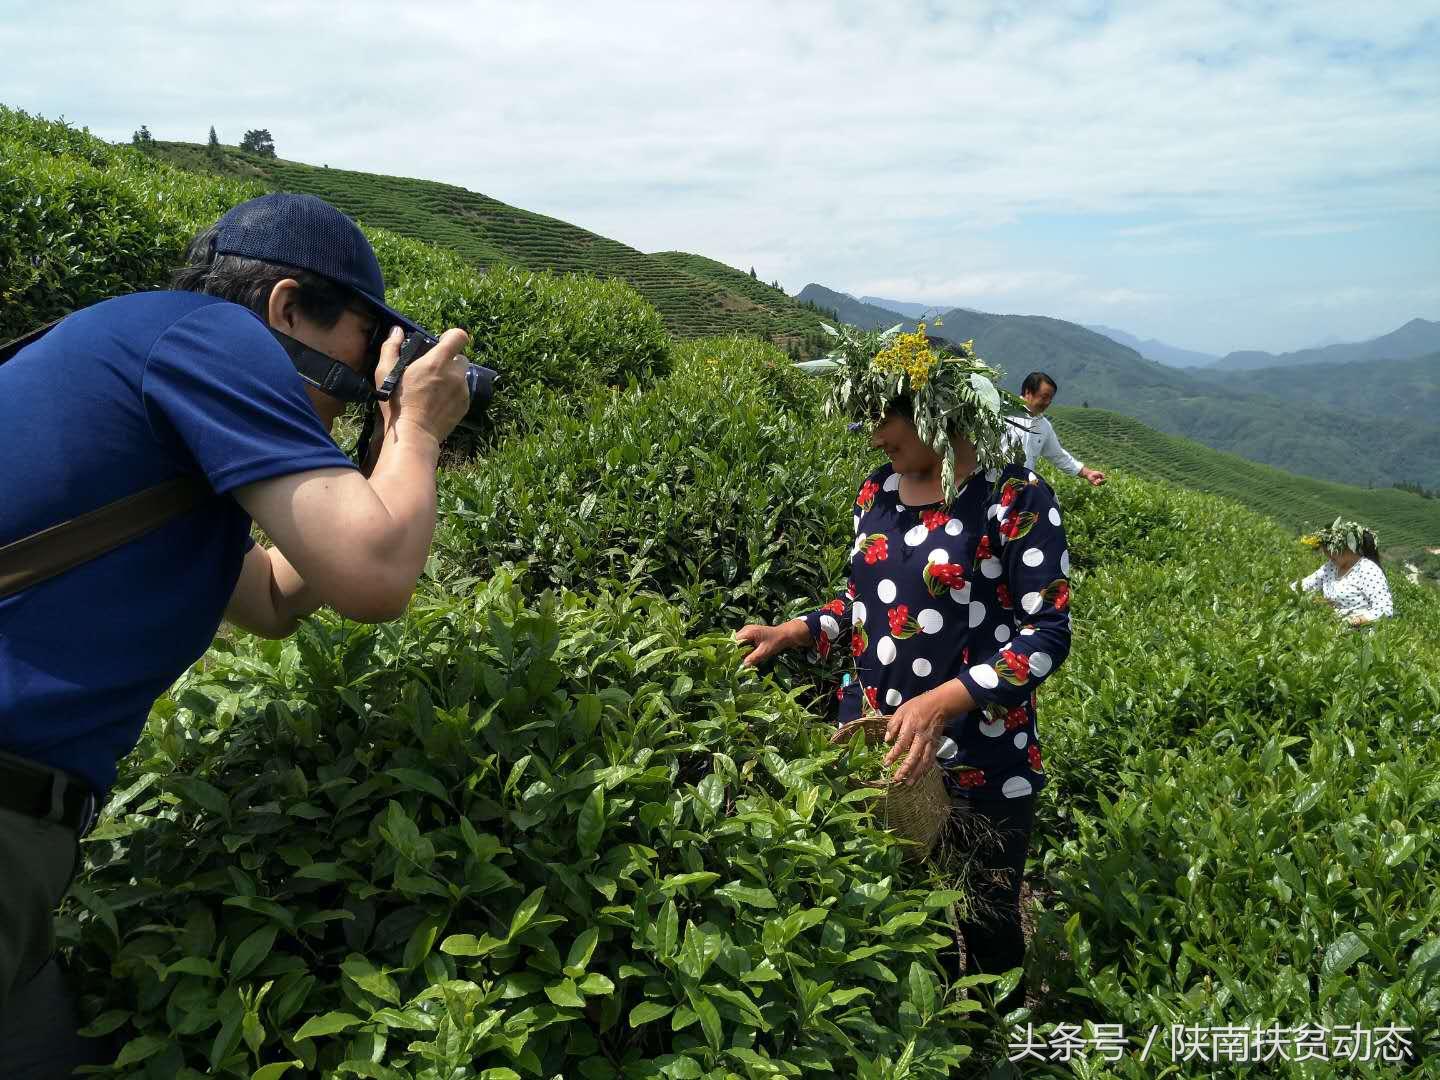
[(1218, 175)]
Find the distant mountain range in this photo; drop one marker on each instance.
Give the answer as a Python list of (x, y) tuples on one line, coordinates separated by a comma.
[(902, 307), (1416, 338), (1296, 418), (852, 311), (1159, 351)]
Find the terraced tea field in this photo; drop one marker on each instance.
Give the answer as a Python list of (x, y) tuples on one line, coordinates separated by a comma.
[(695, 296), (1107, 439)]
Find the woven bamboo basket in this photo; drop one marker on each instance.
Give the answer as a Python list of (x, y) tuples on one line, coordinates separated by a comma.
[(916, 812)]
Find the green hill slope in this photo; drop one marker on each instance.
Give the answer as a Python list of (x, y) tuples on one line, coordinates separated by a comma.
[(1394, 389), (691, 293), (1107, 439)]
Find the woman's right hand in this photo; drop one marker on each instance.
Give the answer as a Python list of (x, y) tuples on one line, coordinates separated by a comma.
[(770, 640)]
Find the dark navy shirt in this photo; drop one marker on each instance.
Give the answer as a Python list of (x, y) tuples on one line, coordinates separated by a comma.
[(977, 590), (119, 397)]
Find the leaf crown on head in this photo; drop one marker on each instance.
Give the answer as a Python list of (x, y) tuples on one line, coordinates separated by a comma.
[(1342, 535), (950, 390)]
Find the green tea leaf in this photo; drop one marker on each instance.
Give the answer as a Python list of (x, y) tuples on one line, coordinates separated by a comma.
[(565, 994), (709, 1017), (747, 895), (581, 951), (197, 791), (680, 881), (591, 824), (525, 912), (250, 952), (420, 781), (137, 1050), (328, 1024), (1343, 952), (647, 1011)]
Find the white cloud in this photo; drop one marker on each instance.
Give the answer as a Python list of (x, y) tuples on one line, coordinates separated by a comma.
[(857, 145)]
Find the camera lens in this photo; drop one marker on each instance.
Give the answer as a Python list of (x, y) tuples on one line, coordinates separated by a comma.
[(481, 381)]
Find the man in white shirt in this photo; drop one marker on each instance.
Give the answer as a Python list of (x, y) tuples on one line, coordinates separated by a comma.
[(1036, 434)]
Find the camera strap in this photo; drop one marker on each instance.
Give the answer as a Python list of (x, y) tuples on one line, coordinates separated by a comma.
[(325, 373), (50, 552)]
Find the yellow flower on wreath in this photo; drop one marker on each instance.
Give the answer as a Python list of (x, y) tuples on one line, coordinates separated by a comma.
[(910, 354)]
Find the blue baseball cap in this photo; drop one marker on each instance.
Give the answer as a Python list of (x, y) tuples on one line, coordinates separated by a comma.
[(307, 233)]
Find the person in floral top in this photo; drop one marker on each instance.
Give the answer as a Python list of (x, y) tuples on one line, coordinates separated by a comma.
[(955, 611)]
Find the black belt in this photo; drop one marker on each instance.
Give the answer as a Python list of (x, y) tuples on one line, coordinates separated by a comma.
[(38, 791)]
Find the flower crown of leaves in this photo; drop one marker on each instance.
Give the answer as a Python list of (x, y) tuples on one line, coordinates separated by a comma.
[(1341, 535), (951, 391)]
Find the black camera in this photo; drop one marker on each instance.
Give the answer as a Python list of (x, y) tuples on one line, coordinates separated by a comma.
[(417, 343)]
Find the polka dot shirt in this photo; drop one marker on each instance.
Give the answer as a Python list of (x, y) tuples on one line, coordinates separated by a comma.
[(1363, 591), (976, 590)]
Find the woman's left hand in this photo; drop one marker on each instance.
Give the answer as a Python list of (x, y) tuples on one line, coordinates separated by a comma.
[(915, 727)]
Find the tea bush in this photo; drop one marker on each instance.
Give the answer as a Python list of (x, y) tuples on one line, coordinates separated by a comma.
[(502, 839), (554, 338), (1244, 811), (703, 488), (87, 221)]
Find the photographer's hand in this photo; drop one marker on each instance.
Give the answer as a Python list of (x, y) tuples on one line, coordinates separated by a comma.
[(433, 393)]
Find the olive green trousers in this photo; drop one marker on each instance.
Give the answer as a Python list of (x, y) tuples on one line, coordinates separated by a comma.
[(38, 1039)]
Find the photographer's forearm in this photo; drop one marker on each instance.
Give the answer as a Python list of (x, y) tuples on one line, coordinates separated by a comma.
[(404, 480)]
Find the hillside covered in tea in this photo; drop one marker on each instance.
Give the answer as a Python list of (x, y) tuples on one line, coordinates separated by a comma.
[(695, 296)]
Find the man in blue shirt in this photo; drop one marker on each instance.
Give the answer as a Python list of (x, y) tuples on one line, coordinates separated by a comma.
[(194, 382)]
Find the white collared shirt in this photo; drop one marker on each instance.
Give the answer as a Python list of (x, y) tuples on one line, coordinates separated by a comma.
[(1039, 440)]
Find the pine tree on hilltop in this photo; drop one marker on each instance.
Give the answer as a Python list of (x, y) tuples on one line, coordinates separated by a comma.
[(753, 274), (142, 137), (214, 139), (212, 148)]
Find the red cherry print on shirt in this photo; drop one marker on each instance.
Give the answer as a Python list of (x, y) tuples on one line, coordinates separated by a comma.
[(934, 519), (951, 575), (898, 617)]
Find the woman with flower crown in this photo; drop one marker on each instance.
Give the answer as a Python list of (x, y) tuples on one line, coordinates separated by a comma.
[(1351, 580), (957, 604)]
